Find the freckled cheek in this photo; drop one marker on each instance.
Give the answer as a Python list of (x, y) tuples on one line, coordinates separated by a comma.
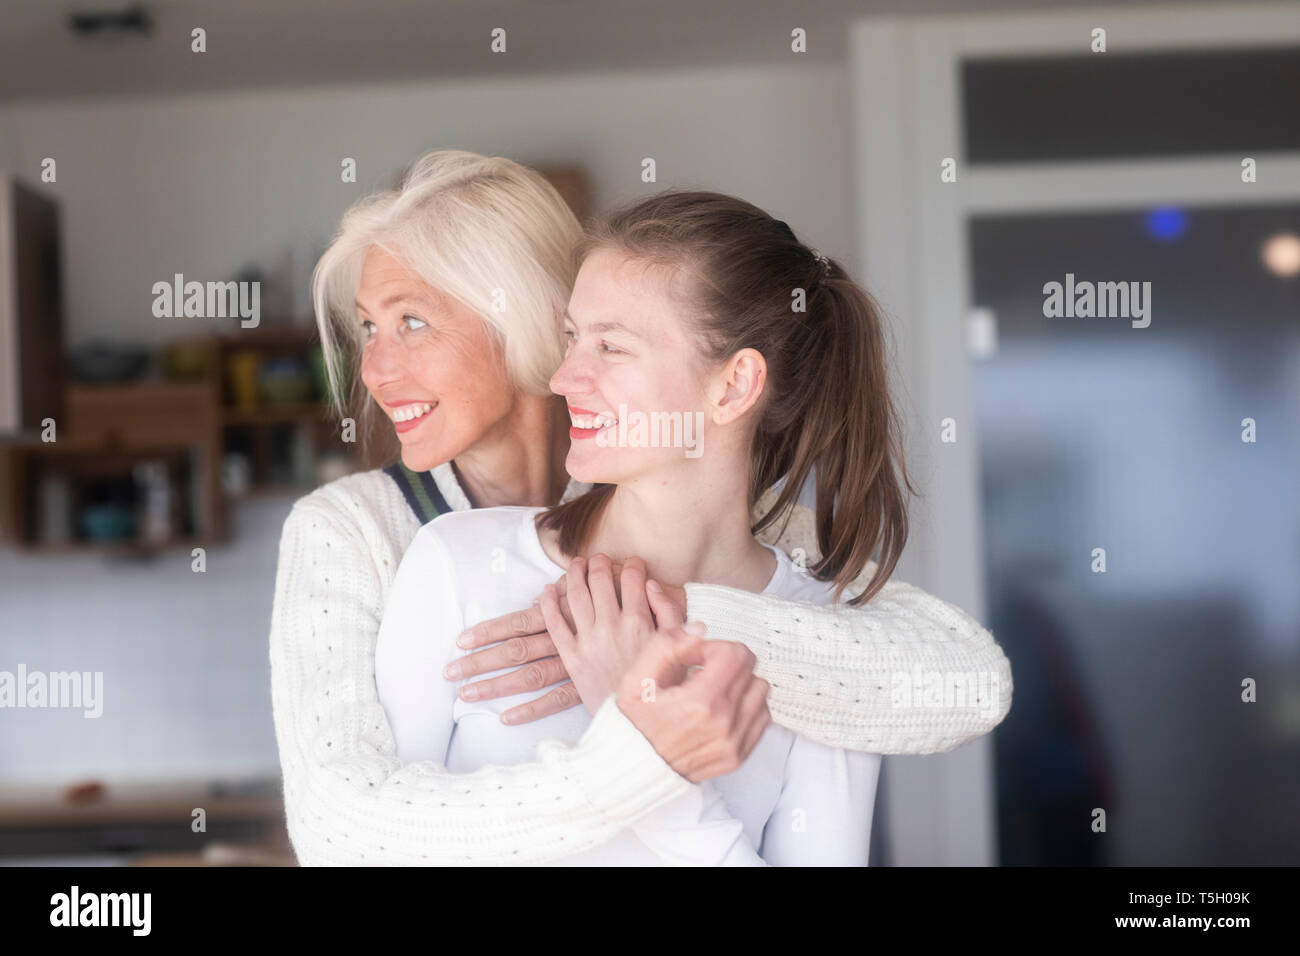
[(443, 366), (475, 386)]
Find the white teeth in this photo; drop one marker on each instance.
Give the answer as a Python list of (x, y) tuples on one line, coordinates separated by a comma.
[(408, 412), (592, 421)]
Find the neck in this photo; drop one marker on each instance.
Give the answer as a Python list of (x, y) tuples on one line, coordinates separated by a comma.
[(691, 527), (521, 462)]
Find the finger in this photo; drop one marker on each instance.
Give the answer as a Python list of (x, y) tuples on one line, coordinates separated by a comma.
[(721, 761), (632, 580), (667, 613), (667, 657), (600, 582), (514, 624), (579, 596), (565, 609), (556, 626), (512, 652), (749, 722), (534, 676), (726, 669), (616, 572), (562, 698)]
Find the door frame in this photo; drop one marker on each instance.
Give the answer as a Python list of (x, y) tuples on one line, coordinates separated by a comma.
[(913, 255)]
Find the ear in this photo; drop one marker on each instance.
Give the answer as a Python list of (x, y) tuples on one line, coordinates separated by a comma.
[(737, 386)]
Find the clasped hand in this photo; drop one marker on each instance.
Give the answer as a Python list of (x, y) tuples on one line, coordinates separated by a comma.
[(585, 630), (609, 631)]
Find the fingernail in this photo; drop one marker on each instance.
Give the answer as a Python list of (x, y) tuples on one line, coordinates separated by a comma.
[(469, 693), (463, 640), (695, 627), (654, 586), (507, 718), (452, 671)]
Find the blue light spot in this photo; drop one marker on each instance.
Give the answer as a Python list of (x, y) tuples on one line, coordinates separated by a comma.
[(1166, 223)]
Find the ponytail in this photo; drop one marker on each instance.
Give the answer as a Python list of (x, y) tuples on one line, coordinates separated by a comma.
[(841, 424)]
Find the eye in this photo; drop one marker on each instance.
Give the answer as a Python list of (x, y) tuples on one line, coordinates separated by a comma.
[(609, 349), (368, 326), (410, 318)]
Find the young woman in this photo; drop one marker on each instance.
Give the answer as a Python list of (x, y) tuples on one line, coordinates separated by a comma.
[(688, 307)]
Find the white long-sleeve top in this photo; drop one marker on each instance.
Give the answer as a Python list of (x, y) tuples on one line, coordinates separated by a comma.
[(794, 802), (350, 800)]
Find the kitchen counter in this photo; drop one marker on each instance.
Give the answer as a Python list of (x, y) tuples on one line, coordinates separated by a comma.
[(148, 823)]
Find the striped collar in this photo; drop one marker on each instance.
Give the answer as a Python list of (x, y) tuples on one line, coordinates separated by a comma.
[(431, 493)]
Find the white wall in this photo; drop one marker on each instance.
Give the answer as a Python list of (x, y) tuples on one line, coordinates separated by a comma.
[(184, 657), (205, 184)]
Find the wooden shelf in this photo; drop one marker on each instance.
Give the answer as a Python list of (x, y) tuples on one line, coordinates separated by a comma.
[(126, 547), (193, 423), (150, 815), (275, 414), (268, 336), (31, 806)]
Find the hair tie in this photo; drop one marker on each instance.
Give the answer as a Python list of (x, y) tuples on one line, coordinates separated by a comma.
[(822, 261)]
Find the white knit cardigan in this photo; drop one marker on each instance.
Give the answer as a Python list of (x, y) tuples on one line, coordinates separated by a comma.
[(349, 800)]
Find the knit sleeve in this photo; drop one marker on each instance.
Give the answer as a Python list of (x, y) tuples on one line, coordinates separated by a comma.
[(349, 800), (907, 673)]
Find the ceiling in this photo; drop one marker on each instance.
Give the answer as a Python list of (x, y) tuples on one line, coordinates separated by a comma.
[(263, 43)]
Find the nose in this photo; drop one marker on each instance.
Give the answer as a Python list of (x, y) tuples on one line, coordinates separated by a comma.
[(382, 363), (573, 377)]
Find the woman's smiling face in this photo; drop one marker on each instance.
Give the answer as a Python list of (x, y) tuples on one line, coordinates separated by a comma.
[(429, 362), (630, 359)]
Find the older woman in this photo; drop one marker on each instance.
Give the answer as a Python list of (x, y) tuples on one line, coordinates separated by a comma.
[(450, 290)]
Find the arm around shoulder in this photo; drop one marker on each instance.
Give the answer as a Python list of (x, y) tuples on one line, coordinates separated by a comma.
[(906, 673)]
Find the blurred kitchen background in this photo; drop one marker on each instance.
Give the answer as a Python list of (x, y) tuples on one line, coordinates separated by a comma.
[(957, 155)]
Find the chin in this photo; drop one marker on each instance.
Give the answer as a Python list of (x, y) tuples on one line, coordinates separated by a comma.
[(421, 459), (588, 469), (606, 467)]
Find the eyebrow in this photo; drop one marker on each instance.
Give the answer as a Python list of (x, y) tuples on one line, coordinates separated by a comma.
[(607, 327), (397, 297)]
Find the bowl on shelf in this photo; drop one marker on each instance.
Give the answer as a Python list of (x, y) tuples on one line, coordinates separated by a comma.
[(285, 381), (101, 363), (107, 522)]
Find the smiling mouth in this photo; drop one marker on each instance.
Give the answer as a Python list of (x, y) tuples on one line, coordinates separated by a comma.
[(408, 416), (593, 423)]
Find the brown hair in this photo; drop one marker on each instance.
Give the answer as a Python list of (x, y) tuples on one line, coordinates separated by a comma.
[(826, 403)]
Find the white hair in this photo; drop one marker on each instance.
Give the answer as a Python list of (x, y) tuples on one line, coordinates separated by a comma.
[(484, 230)]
